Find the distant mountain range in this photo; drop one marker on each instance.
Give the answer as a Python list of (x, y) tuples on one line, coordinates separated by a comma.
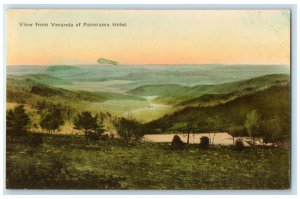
[(62, 69), (175, 94)]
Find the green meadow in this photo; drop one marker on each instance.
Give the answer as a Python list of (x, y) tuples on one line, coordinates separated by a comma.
[(66, 162)]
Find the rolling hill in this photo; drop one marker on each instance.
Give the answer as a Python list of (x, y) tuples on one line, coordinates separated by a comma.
[(30, 88), (63, 69), (271, 102), (158, 90), (175, 94), (34, 79)]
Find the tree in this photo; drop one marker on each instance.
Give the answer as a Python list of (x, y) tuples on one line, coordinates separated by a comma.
[(189, 129), (89, 124), (128, 129), (236, 131), (252, 124), (213, 123), (274, 131), (43, 106), (177, 143), (52, 119), (17, 120)]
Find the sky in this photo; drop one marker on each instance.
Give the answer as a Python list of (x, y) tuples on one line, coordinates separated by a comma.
[(149, 37)]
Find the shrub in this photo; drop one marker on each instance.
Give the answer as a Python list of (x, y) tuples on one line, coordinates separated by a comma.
[(128, 129), (239, 145), (17, 120), (52, 120), (92, 128), (204, 142), (275, 131), (177, 143)]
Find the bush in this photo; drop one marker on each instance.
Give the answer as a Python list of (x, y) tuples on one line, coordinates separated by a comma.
[(204, 142), (177, 143), (92, 128), (239, 145), (17, 120), (128, 129), (52, 120)]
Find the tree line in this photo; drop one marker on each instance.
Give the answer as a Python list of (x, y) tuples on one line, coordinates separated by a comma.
[(53, 116)]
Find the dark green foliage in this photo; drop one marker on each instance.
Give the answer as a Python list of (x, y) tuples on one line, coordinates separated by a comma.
[(239, 145), (177, 143), (92, 128), (204, 142), (52, 119), (44, 90), (17, 120), (236, 131), (128, 129), (204, 100), (86, 121), (275, 131), (44, 106)]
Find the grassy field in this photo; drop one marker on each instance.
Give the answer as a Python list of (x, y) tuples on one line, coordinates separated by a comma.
[(65, 162)]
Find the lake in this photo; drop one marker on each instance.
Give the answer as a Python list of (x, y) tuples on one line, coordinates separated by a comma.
[(220, 138)]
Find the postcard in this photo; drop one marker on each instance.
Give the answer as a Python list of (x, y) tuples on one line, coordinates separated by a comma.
[(148, 99)]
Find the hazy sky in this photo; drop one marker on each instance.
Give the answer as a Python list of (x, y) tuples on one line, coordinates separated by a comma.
[(150, 37)]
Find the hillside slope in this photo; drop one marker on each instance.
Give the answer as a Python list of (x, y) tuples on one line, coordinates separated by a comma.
[(30, 88), (271, 103), (63, 69), (177, 94), (34, 79)]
